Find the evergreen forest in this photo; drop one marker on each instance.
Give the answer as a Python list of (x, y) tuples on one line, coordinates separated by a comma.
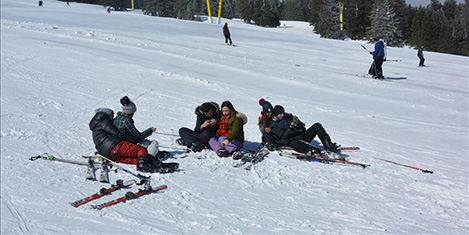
[(439, 27)]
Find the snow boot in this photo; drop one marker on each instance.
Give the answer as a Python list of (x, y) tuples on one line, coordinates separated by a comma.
[(237, 155), (160, 167), (145, 165), (197, 147), (270, 146), (223, 153), (180, 141)]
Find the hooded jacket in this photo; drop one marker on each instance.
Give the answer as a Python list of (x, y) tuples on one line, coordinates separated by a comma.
[(105, 135), (201, 119), (284, 129)]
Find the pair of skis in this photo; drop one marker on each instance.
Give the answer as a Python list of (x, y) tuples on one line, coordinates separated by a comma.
[(323, 156), (119, 185), (252, 158)]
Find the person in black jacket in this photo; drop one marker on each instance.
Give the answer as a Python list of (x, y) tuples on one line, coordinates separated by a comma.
[(420, 56), (206, 126), (113, 144), (226, 33), (290, 131)]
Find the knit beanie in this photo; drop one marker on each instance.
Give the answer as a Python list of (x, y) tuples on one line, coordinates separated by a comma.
[(278, 110), (266, 106), (128, 106)]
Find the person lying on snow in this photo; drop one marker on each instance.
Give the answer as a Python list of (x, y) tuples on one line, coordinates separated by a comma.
[(120, 147)]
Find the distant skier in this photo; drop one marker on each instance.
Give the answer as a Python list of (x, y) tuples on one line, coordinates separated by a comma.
[(290, 131), (68, 3), (40, 3), (108, 10), (420, 56), (227, 34), (379, 56), (206, 126)]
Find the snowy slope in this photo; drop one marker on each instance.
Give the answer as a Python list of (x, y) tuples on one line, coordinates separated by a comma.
[(59, 63)]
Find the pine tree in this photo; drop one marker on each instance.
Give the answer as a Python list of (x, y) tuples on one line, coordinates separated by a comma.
[(384, 25), (329, 22)]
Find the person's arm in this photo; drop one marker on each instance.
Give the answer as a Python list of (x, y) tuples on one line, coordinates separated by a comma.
[(235, 129), (133, 131)]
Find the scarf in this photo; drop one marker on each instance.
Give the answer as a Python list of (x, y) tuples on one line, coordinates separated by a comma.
[(223, 129)]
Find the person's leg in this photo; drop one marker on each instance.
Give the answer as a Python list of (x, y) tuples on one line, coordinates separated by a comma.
[(233, 146), (187, 136), (127, 152), (215, 144)]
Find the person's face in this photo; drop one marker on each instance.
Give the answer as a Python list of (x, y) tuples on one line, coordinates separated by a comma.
[(225, 111), (208, 113), (280, 116), (269, 114)]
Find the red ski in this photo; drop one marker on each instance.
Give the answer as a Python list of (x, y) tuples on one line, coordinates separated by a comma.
[(128, 196), (102, 192)]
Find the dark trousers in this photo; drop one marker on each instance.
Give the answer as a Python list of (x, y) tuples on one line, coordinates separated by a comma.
[(372, 71), (298, 143), (422, 60), (228, 38), (189, 136), (379, 66)]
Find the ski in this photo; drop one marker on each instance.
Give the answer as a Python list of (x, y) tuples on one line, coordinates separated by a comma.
[(46, 156), (322, 158), (351, 148), (257, 157), (129, 195), (102, 192)]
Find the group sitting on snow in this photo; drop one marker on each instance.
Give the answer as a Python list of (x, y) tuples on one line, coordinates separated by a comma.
[(219, 129)]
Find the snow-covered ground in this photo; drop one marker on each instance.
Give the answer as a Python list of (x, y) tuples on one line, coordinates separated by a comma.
[(59, 63)]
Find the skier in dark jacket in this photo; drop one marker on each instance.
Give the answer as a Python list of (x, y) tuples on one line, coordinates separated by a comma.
[(379, 56), (420, 56), (290, 131), (206, 126), (117, 146), (227, 34)]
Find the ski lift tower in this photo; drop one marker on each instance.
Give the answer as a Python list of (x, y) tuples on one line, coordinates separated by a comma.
[(210, 12)]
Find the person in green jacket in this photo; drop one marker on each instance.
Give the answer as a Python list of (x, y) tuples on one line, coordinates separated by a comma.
[(230, 134)]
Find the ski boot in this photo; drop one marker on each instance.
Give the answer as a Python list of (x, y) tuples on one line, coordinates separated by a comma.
[(223, 153)]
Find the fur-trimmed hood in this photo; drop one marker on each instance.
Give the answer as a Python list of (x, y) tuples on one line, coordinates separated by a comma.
[(243, 117), (215, 106)]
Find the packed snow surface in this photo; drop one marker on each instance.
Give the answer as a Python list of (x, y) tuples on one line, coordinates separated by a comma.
[(59, 63)]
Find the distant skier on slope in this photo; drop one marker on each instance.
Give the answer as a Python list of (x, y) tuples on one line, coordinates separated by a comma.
[(40, 3), (290, 131), (119, 147), (226, 33), (206, 126), (420, 56), (379, 56)]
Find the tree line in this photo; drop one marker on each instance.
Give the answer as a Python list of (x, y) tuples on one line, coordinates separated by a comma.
[(439, 27)]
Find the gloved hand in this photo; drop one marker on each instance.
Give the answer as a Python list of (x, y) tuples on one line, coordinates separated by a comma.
[(294, 122)]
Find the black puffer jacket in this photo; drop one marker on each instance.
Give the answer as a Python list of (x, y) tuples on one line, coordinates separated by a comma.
[(105, 135)]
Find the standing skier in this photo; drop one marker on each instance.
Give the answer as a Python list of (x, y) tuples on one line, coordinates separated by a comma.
[(420, 56), (230, 133), (379, 56), (290, 131), (227, 34), (206, 126)]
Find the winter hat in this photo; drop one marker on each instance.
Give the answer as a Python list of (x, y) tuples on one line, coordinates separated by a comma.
[(104, 110), (128, 106), (266, 106), (278, 110)]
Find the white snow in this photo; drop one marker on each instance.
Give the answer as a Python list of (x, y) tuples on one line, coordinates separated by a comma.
[(59, 63)]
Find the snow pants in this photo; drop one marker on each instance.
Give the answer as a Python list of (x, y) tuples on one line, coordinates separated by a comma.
[(422, 60), (379, 66), (189, 136), (127, 152), (233, 145), (298, 143)]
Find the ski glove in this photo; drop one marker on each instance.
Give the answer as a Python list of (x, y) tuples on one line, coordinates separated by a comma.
[(294, 122)]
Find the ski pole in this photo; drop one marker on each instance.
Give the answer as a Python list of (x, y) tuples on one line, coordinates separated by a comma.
[(162, 133), (404, 165), (394, 60), (143, 179), (364, 47)]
